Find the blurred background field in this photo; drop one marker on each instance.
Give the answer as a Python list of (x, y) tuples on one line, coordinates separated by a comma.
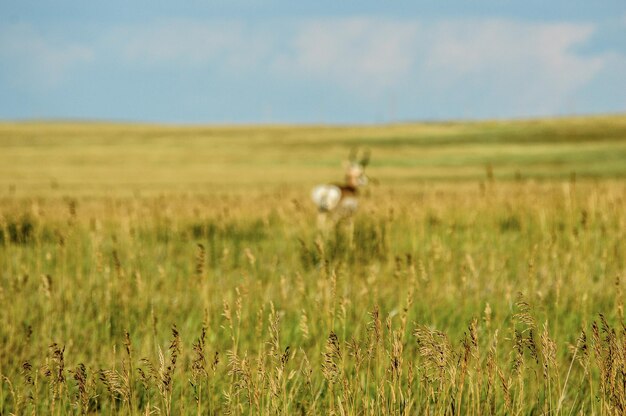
[(483, 273), (92, 159)]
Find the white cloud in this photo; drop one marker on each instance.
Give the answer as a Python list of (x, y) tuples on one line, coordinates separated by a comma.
[(510, 66), (188, 43), (529, 66), (356, 52), (536, 65), (37, 60)]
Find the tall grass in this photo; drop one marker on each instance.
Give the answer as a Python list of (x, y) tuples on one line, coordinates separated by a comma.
[(500, 298)]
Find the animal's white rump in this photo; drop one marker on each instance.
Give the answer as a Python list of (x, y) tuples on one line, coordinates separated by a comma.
[(326, 197)]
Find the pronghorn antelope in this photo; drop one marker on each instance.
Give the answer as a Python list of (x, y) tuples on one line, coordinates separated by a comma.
[(340, 201)]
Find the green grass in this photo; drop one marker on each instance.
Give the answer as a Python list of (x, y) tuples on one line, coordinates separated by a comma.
[(448, 293), (94, 158)]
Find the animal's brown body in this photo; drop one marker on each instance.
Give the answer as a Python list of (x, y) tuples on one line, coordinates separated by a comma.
[(341, 200)]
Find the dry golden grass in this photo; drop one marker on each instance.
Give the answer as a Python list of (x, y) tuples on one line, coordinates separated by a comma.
[(487, 295)]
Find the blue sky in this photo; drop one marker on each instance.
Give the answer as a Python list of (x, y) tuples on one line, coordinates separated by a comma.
[(363, 61)]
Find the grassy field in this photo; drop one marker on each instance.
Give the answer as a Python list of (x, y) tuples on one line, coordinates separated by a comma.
[(179, 270)]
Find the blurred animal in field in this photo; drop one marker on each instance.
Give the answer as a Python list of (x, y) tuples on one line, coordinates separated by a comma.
[(340, 200)]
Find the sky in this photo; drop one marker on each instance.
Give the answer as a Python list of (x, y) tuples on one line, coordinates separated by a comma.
[(340, 62)]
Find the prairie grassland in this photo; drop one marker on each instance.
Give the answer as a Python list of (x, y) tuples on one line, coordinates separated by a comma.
[(178, 270)]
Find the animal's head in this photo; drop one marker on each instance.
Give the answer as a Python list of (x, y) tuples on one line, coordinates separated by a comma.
[(355, 170)]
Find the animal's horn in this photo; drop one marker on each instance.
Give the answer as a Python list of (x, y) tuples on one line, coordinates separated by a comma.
[(352, 155), (365, 160)]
